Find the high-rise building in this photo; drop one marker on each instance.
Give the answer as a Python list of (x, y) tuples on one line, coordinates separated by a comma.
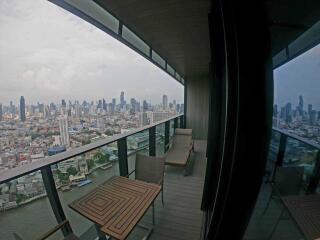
[(1, 112), (275, 110), (41, 108), (99, 104), (12, 108), (165, 102), (145, 106), (63, 103), (146, 118), (288, 112), (182, 108), (178, 108), (22, 109), (313, 117), (301, 105), (77, 110), (122, 102), (64, 133), (104, 104), (309, 109)]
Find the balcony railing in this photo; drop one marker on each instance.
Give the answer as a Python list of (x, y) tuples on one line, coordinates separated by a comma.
[(46, 165), (288, 149)]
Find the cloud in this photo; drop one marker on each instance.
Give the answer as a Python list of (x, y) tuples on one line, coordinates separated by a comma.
[(48, 54)]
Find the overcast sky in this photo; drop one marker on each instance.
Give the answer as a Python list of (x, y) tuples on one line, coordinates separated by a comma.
[(48, 54), (301, 76)]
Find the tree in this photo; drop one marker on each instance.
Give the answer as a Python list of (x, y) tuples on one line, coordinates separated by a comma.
[(90, 164), (20, 198), (72, 171), (101, 158)]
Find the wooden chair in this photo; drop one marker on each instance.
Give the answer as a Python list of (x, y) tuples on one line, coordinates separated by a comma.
[(150, 169), (64, 223), (287, 181)]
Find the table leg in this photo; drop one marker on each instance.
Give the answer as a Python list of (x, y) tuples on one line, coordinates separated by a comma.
[(149, 231), (101, 235), (276, 224)]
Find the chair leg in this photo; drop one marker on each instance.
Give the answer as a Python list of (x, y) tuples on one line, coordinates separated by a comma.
[(162, 198), (267, 206), (153, 220), (275, 226)]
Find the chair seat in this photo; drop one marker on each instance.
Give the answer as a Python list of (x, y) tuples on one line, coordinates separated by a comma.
[(177, 156)]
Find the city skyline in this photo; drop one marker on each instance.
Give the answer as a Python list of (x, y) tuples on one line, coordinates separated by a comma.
[(62, 101), (299, 77), (48, 54)]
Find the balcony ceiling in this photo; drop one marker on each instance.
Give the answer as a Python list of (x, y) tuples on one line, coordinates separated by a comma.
[(177, 29), (289, 19)]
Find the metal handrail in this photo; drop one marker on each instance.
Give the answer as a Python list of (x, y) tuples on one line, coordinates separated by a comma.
[(48, 161), (296, 137)]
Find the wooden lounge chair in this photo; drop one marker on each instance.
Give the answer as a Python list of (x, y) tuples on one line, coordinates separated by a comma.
[(64, 223), (182, 146)]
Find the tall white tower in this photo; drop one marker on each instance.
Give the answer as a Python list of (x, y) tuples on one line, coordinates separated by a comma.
[(64, 134)]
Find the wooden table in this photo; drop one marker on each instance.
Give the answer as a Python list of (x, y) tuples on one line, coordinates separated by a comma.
[(117, 205), (305, 211)]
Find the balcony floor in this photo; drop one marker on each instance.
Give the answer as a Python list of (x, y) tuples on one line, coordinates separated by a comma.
[(181, 217)]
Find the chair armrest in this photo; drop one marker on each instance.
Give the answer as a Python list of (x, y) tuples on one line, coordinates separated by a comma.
[(53, 230), (191, 147)]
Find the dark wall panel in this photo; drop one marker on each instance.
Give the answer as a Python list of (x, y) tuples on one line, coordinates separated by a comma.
[(198, 106)]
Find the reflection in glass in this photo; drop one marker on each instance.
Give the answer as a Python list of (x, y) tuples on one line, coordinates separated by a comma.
[(300, 154), (24, 205), (160, 139), (77, 176), (137, 143)]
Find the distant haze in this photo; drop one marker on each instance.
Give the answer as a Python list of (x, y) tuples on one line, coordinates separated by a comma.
[(48, 54), (301, 76)]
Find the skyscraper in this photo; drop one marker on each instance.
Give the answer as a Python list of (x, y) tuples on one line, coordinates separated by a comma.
[(104, 104), (63, 103), (145, 106), (1, 112), (99, 104), (313, 117), (122, 99), (22, 109), (64, 133), (301, 105), (275, 110), (288, 112), (165, 102), (309, 109)]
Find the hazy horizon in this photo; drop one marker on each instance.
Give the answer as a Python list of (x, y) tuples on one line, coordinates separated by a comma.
[(48, 54), (298, 77)]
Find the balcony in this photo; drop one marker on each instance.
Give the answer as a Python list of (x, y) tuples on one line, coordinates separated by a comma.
[(179, 218), (286, 150)]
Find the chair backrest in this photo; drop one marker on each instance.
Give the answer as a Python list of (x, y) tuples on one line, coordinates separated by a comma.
[(149, 169), (288, 180), (182, 137), (183, 131)]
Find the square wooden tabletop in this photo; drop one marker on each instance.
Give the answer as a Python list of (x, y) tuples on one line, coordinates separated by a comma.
[(117, 205), (305, 210)]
